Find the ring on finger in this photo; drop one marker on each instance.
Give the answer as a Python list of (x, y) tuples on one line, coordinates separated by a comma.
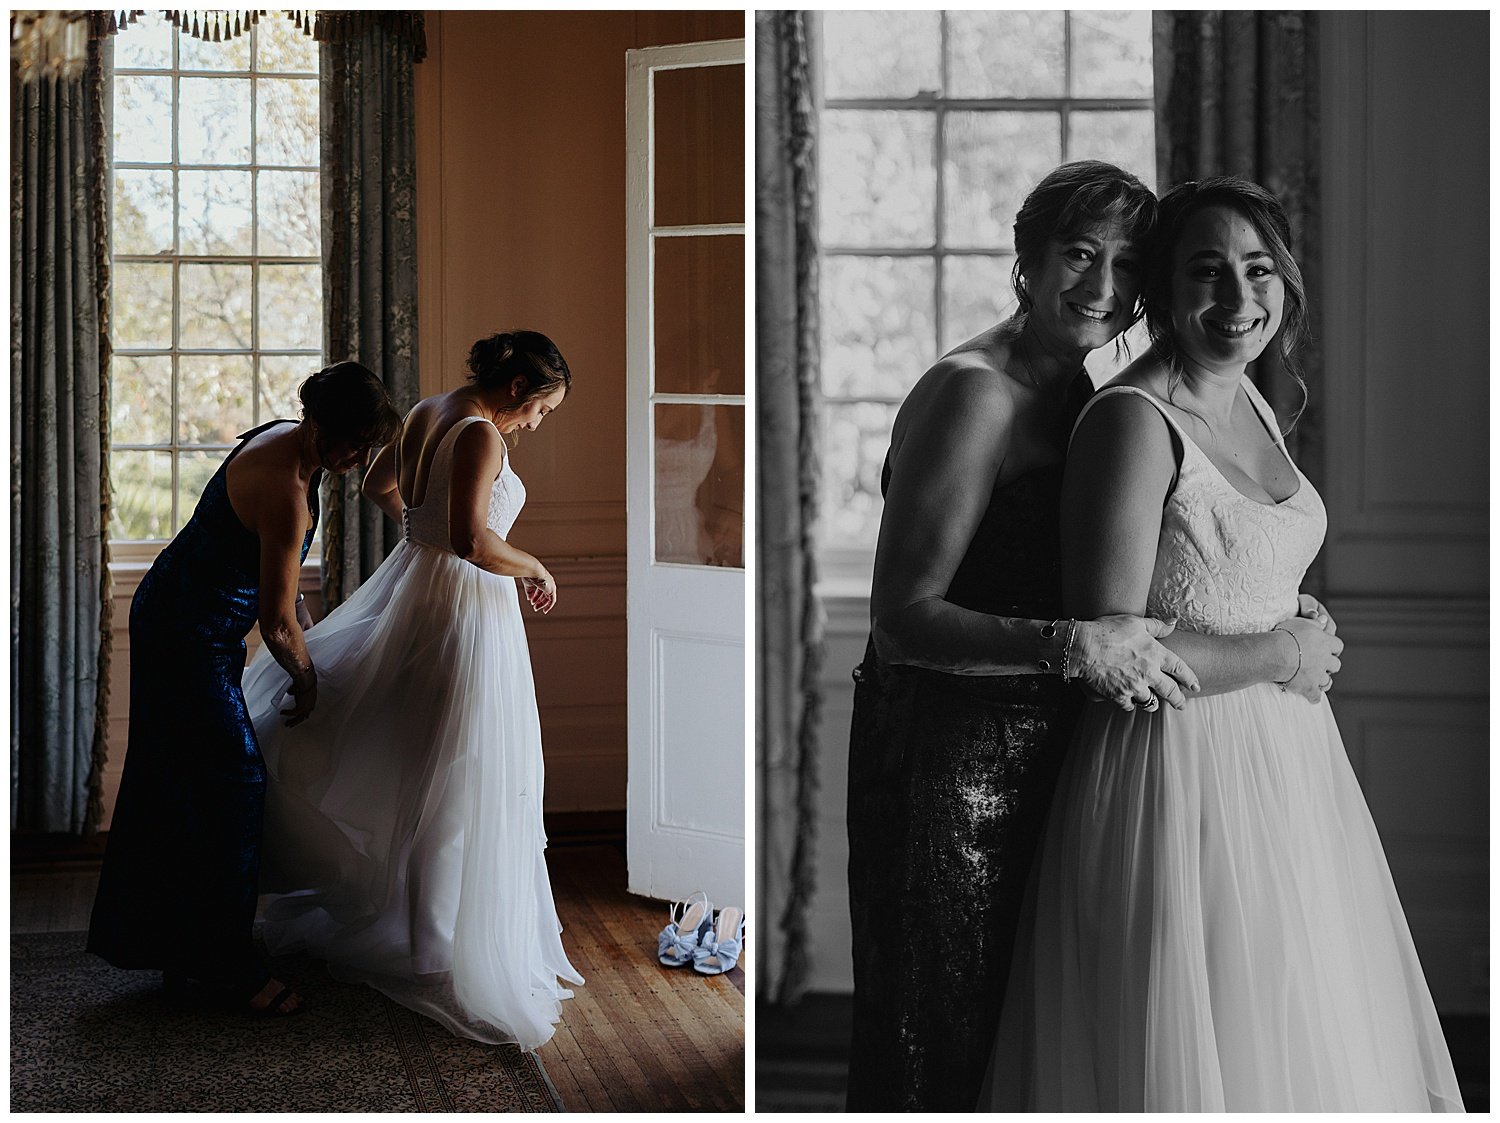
[(1151, 703)]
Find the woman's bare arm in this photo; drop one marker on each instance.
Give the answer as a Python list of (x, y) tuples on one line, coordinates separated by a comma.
[(478, 457), (381, 486), (280, 521), (952, 448)]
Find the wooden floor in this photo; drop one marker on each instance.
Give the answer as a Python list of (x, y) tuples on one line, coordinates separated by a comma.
[(636, 1037)]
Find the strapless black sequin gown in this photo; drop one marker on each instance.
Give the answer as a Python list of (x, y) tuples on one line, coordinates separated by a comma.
[(950, 779), (178, 888)]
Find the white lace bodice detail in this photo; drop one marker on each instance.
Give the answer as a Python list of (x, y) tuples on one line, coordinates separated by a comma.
[(1227, 564), (427, 523)]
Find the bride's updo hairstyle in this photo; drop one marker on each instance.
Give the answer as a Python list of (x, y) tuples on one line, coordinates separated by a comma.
[(499, 359), (1264, 212), (350, 406), (1073, 199)]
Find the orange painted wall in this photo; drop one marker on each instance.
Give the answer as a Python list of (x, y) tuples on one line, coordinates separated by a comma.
[(521, 223)]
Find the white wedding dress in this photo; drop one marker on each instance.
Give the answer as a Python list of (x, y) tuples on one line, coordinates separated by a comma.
[(403, 828), (1212, 924)]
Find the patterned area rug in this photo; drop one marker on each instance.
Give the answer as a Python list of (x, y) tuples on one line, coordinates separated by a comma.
[(87, 1037)]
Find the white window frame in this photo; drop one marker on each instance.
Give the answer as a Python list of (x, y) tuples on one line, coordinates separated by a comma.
[(134, 553), (846, 570)]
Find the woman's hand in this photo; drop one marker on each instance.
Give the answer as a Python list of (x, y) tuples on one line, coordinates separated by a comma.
[(541, 591), (304, 692), (1119, 660), (1320, 650), (304, 617), (1310, 608)]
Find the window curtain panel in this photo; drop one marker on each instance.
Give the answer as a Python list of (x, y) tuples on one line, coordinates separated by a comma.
[(788, 624), (369, 257), (59, 358), (1237, 94)]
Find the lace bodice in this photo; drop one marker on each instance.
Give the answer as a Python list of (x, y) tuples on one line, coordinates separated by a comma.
[(1225, 563), (427, 523)]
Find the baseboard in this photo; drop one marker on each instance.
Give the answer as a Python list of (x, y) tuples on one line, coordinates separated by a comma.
[(802, 1054)]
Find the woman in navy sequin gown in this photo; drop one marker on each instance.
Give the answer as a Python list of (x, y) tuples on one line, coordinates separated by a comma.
[(178, 889), (962, 710)]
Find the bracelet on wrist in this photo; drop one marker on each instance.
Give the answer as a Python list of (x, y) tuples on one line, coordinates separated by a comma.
[(1298, 644), (1049, 632)]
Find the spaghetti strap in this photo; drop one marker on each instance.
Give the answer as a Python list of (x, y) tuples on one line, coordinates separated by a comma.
[(1109, 391)]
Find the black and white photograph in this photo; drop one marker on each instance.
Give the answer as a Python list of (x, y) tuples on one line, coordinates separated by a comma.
[(1123, 624), (378, 567)]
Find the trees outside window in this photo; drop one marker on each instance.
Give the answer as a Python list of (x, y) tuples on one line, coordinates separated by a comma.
[(933, 126), (217, 286)]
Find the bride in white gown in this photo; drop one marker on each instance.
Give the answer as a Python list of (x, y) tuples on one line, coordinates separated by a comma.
[(1212, 924), (403, 828)]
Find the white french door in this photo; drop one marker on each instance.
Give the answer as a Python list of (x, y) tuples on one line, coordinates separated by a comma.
[(685, 412)]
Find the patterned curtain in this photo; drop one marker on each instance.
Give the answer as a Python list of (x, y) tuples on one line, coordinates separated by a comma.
[(1237, 94), (369, 261), (789, 632), (59, 501)]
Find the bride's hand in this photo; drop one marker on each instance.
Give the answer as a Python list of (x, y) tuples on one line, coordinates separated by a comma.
[(1310, 608), (1119, 660), (1319, 650), (541, 591)]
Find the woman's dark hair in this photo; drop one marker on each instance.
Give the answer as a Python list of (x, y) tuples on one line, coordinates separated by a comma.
[(500, 359), (350, 406), (1074, 198), (1266, 214)]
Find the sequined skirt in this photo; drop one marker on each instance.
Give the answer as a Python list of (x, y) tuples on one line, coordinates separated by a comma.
[(950, 778)]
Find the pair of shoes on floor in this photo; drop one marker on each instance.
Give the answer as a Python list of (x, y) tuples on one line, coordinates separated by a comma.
[(712, 944)]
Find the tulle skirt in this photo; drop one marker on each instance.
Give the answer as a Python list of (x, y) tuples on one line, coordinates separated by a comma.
[(403, 830), (1212, 927)]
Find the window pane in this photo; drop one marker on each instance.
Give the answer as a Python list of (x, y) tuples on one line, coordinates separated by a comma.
[(878, 324), (1124, 137), (143, 212), (215, 212), (194, 470), (699, 145), (699, 469), (230, 54), (976, 295), (286, 121), (214, 401), (1112, 54), (140, 495), (280, 46), (289, 213), (143, 119), (215, 306), (992, 160), (280, 378), (214, 127), (876, 178), (140, 399), (142, 297), (147, 45), (1005, 54), (880, 54), (291, 307), (700, 315), (856, 437)]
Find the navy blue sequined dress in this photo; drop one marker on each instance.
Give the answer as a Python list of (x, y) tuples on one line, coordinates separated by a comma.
[(950, 779), (178, 888)]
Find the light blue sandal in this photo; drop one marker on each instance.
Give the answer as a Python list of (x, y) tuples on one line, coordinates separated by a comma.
[(692, 919), (719, 950)]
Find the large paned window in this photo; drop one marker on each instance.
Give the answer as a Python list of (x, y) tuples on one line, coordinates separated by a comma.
[(933, 127), (217, 285)]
